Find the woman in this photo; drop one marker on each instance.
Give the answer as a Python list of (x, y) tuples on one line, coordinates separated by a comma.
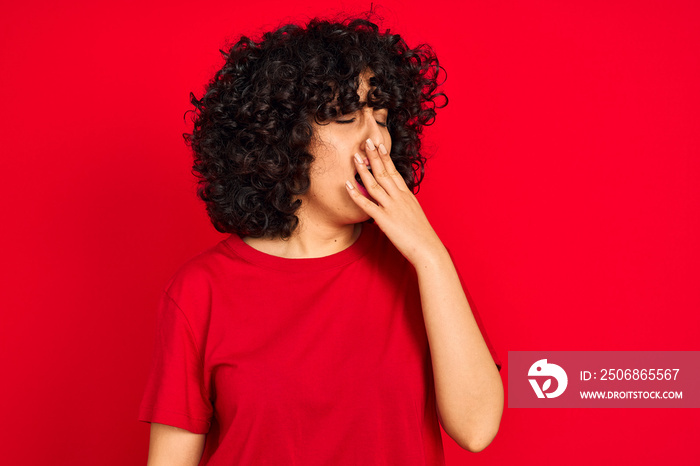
[(330, 327)]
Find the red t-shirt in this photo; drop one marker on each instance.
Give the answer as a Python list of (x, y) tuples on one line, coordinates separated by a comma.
[(297, 361)]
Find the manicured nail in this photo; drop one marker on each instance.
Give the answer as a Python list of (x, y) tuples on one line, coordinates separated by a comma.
[(370, 145), (358, 159), (349, 185), (382, 149)]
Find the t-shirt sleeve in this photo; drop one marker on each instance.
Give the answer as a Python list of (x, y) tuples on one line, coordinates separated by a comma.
[(175, 393), (494, 355)]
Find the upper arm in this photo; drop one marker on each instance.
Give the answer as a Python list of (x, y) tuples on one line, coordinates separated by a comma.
[(173, 446)]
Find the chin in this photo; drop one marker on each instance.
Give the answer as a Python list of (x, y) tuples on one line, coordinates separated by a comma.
[(359, 218)]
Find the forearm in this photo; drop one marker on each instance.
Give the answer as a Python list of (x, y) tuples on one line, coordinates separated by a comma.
[(468, 387)]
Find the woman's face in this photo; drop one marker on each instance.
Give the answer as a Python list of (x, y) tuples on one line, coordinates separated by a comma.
[(333, 148)]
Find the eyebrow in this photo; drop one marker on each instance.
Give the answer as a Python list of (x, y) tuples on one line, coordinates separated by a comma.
[(363, 103)]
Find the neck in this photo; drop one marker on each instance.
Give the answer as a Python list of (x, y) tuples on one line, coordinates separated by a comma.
[(309, 241)]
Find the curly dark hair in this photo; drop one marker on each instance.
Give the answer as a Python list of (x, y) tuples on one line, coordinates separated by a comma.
[(253, 125)]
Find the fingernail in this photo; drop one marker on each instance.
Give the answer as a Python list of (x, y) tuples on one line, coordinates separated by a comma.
[(349, 185), (370, 145), (382, 149), (358, 159)]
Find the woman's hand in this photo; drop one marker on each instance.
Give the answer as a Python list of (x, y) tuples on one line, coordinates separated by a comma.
[(396, 211)]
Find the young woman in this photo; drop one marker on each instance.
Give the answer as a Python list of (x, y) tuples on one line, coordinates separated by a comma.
[(331, 326)]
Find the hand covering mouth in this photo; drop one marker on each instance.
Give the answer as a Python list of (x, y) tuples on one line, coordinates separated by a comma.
[(358, 178)]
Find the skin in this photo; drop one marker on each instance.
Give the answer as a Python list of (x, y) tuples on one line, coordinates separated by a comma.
[(172, 446), (468, 387)]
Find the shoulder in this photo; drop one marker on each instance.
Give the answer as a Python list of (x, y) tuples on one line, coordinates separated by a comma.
[(198, 275), (189, 293)]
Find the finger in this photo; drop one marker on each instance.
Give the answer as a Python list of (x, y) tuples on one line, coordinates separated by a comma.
[(379, 169), (391, 168), (365, 204), (370, 183)]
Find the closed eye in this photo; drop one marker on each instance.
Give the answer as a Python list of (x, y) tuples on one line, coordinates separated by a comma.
[(352, 120)]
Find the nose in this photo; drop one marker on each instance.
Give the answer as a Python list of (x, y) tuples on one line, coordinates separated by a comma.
[(371, 130)]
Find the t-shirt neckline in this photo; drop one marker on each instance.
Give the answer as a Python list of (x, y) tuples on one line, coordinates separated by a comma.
[(353, 252)]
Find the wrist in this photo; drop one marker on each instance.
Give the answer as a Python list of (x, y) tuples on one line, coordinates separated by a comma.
[(433, 257)]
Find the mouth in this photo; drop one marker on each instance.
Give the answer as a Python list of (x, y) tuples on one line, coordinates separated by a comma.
[(361, 187), (359, 179)]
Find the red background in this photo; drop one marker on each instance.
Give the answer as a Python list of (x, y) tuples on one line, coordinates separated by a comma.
[(564, 178)]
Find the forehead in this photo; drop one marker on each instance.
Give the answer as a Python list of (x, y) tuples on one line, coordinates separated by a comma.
[(364, 86), (364, 78), (343, 103)]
